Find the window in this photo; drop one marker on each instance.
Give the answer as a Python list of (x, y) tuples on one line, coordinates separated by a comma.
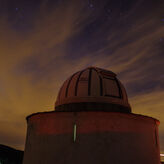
[(111, 87)]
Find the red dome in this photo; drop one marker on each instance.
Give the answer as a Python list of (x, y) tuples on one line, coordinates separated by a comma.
[(92, 89)]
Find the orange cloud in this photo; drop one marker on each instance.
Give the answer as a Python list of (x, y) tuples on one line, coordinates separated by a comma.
[(35, 63)]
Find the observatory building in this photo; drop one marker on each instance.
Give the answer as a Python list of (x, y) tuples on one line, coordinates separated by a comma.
[(93, 124)]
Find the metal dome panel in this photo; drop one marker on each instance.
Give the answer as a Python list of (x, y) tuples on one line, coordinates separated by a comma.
[(71, 87), (82, 84), (95, 84)]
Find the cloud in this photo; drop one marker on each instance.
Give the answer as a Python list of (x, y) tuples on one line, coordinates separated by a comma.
[(64, 37), (152, 105)]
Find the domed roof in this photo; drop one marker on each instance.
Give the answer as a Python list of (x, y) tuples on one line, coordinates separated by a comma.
[(92, 89)]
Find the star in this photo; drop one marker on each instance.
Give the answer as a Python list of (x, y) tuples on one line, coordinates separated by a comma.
[(90, 5)]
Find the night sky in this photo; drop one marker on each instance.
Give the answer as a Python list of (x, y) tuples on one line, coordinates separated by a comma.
[(43, 42)]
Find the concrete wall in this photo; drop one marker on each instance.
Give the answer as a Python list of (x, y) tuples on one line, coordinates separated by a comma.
[(101, 138)]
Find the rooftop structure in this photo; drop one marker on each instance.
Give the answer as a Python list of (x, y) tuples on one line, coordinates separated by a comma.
[(92, 123)]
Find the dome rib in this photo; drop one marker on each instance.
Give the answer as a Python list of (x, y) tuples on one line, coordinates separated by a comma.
[(69, 83), (101, 86)]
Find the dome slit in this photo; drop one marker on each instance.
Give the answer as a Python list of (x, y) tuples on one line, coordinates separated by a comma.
[(78, 82)]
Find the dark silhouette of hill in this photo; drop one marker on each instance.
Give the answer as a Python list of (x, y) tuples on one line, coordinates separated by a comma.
[(9, 155)]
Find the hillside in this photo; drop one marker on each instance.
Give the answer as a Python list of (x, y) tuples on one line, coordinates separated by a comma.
[(9, 155)]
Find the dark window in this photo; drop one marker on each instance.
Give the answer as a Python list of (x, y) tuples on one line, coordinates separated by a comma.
[(111, 87)]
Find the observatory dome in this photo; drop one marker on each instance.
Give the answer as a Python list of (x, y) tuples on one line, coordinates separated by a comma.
[(92, 89)]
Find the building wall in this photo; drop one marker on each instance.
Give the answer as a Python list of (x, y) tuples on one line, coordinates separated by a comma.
[(99, 137)]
